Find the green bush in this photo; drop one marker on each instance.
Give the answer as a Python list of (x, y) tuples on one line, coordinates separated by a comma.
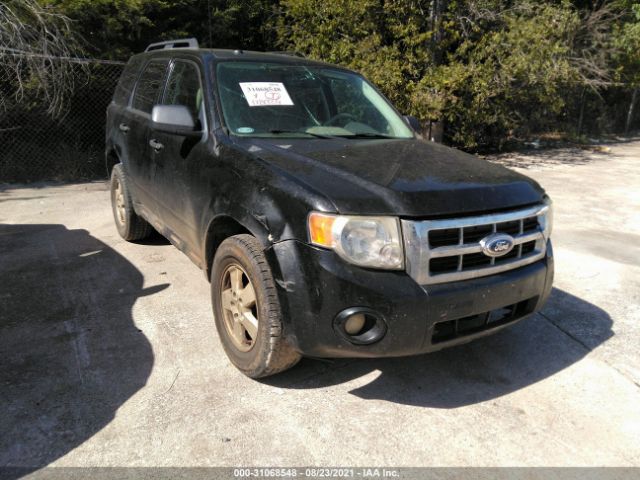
[(494, 71)]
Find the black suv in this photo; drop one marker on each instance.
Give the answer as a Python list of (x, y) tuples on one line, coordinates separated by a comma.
[(327, 228)]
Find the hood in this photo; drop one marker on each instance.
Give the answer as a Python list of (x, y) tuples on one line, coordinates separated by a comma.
[(411, 178)]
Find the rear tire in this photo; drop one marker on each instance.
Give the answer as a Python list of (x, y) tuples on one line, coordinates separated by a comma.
[(129, 224), (250, 328)]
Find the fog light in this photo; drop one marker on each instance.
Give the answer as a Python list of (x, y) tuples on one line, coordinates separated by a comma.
[(360, 325), (354, 324)]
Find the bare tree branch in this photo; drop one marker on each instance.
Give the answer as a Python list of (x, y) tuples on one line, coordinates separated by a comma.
[(32, 40), (592, 48)]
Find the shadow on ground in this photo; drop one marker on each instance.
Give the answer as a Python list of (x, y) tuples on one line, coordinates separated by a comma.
[(70, 352), (19, 199), (514, 358), (154, 239)]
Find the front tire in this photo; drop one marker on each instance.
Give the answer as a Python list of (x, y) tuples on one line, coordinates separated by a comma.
[(247, 311), (129, 224)]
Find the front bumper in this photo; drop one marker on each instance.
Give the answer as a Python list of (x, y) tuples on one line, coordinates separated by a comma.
[(314, 285)]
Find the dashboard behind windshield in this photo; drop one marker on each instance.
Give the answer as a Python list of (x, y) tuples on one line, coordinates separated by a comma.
[(260, 99)]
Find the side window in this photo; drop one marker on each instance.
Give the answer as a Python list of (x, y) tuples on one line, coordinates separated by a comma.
[(126, 81), (149, 85), (183, 88)]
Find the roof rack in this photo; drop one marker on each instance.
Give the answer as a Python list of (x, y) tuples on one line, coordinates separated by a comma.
[(287, 52), (183, 43)]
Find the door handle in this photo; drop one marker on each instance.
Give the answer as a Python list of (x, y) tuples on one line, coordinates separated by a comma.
[(156, 145), (124, 127)]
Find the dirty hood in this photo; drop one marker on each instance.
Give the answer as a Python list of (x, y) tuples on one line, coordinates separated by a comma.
[(411, 178)]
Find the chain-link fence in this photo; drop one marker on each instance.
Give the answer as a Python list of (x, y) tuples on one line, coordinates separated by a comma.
[(34, 146)]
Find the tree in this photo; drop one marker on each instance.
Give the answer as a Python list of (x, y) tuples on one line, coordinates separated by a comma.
[(31, 40), (116, 29), (513, 69), (492, 69), (627, 38)]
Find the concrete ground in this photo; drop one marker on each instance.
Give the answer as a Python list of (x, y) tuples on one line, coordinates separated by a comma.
[(109, 354)]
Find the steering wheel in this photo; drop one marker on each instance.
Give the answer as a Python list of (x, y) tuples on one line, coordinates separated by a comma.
[(335, 118)]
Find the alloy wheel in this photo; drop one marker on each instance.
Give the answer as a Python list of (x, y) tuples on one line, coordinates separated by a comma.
[(239, 307), (119, 200)]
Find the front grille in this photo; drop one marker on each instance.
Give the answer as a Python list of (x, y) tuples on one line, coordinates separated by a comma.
[(444, 264), (462, 327), (444, 237), (471, 261), (459, 236), (448, 250)]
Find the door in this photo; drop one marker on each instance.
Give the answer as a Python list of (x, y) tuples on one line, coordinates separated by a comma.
[(135, 124), (175, 156)]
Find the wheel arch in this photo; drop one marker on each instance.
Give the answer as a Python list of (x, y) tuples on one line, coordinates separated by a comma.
[(112, 158), (224, 226)]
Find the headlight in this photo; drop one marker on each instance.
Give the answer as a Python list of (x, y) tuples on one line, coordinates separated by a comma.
[(547, 218), (365, 241)]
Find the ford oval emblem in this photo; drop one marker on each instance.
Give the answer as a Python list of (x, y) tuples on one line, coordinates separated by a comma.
[(496, 244)]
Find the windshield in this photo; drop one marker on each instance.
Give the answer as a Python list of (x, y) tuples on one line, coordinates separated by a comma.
[(274, 100)]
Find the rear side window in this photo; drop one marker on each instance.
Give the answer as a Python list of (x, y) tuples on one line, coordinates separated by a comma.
[(149, 85), (183, 87), (127, 81)]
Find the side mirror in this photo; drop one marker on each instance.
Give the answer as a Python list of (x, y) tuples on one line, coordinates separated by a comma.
[(413, 123), (175, 119)]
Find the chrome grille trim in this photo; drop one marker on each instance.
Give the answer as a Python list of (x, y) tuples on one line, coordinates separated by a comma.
[(476, 248), (419, 252)]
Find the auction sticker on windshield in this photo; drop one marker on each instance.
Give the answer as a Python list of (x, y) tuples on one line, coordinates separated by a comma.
[(261, 94)]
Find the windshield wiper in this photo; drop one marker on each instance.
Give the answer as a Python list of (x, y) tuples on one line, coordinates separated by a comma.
[(366, 135), (317, 135)]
